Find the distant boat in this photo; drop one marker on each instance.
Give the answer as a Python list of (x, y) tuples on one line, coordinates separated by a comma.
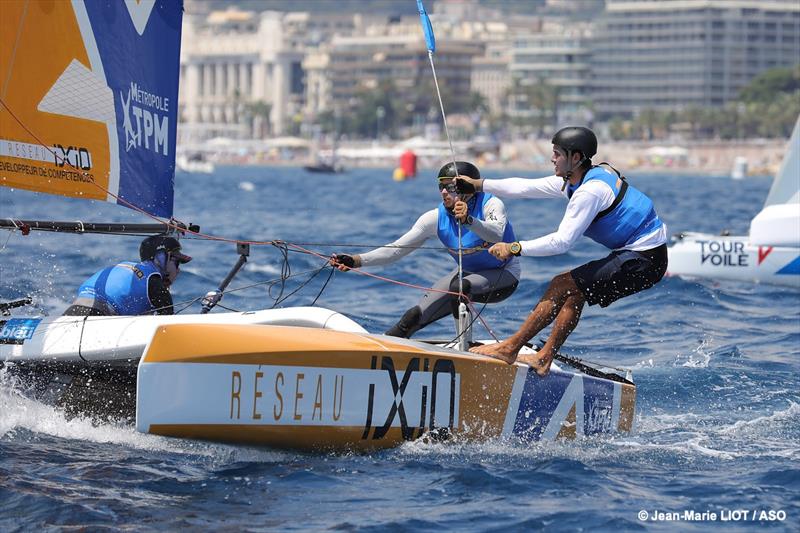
[(769, 254), (739, 170), (324, 168), (326, 165), (195, 163)]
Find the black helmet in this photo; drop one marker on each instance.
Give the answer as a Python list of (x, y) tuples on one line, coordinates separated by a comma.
[(463, 168), (576, 139), (157, 243)]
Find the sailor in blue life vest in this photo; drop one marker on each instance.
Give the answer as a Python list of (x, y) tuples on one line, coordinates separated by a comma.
[(604, 207), (486, 279), (131, 288)]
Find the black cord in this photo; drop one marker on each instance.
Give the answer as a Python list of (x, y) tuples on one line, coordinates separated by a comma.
[(286, 271), (314, 275), (333, 271)]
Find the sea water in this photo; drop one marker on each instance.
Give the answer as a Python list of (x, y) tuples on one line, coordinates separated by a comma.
[(716, 440)]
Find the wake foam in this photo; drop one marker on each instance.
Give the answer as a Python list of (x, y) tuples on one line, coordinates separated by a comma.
[(19, 415), (769, 435), (663, 439), (767, 423)]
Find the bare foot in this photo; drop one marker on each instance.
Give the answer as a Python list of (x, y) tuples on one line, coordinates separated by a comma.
[(500, 350), (540, 363)]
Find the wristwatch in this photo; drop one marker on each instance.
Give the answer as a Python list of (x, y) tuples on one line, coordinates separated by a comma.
[(515, 248), (469, 220)]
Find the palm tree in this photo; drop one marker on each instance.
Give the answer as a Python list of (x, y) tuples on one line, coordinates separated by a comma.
[(258, 116)]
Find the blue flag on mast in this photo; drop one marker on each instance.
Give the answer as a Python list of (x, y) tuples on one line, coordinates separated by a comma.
[(427, 29)]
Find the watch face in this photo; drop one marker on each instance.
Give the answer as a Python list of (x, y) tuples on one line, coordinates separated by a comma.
[(516, 248)]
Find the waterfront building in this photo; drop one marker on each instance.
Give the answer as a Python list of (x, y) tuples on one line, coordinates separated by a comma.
[(491, 76), (240, 75), (674, 54), (349, 64), (550, 72)]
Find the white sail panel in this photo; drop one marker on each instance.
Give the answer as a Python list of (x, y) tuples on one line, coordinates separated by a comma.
[(786, 187), (79, 93)]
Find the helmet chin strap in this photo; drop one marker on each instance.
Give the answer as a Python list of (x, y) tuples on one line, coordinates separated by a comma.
[(568, 173)]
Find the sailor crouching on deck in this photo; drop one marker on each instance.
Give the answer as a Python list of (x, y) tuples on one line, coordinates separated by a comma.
[(602, 206), (486, 278), (133, 288)]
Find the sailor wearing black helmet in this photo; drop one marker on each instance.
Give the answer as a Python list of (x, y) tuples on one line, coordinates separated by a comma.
[(131, 288), (486, 278), (605, 208)]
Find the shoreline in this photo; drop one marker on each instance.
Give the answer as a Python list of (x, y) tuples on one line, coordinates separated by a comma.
[(708, 158), (517, 169)]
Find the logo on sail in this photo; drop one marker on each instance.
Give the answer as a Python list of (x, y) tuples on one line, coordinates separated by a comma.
[(140, 10), (145, 120)]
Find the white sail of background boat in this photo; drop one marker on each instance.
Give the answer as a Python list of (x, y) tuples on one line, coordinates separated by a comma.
[(89, 109), (771, 251)]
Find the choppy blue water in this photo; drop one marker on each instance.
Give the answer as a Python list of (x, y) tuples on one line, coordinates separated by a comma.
[(718, 417)]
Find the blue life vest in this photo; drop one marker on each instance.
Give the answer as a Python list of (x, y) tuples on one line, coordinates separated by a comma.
[(629, 218), (474, 250), (122, 287)]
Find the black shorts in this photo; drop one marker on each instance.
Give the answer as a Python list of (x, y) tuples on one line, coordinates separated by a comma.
[(82, 310), (620, 274)]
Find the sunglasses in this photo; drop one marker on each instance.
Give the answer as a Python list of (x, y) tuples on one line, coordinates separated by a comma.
[(449, 187)]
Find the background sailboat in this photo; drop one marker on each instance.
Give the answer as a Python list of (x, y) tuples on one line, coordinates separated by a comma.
[(330, 164), (769, 254)]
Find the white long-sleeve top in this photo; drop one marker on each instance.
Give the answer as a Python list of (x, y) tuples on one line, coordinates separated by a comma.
[(586, 202), (490, 229)]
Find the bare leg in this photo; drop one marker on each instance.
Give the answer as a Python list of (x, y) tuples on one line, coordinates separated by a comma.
[(566, 320), (561, 289)]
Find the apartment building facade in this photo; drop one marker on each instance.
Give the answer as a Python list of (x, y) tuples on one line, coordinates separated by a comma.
[(676, 54)]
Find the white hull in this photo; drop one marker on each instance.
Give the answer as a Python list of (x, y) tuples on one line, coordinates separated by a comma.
[(124, 338), (699, 255)]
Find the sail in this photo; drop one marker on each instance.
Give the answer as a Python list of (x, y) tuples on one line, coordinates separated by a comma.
[(786, 186), (89, 99), (778, 223)]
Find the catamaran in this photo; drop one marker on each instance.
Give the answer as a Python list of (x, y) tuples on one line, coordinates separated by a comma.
[(769, 254), (89, 109)]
